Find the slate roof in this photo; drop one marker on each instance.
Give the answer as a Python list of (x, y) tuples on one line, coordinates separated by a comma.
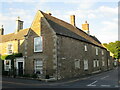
[(95, 39), (13, 36), (63, 28), (60, 30)]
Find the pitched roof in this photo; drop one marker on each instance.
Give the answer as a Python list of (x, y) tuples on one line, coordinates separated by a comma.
[(71, 28), (60, 30), (95, 39), (13, 36)]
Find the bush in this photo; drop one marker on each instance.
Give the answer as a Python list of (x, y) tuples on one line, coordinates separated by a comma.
[(5, 73), (34, 76), (26, 75), (47, 77)]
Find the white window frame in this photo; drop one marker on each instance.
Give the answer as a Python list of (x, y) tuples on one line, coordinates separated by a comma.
[(85, 64), (97, 63), (77, 63), (40, 44), (103, 62), (108, 62), (94, 63), (38, 66), (102, 52), (85, 48), (8, 49), (7, 67), (96, 50)]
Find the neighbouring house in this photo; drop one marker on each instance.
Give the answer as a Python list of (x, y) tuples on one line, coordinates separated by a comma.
[(52, 47)]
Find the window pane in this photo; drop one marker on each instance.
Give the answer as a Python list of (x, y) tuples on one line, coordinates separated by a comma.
[(38, 44)]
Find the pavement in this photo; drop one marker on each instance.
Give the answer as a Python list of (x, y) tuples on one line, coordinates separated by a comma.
[(107, 79)]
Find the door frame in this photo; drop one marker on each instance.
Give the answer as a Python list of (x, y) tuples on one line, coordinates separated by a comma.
[(17, 61)]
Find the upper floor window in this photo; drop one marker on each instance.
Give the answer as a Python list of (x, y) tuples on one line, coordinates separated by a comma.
[(38, 44), (10, 49), (96, 51), (102, 52), (85, 48)]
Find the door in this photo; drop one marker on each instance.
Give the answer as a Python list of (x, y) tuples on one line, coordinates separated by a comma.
[(20, 68)]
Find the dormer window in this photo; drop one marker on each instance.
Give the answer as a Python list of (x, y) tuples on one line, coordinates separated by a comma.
[(85, 48), (38, 44)]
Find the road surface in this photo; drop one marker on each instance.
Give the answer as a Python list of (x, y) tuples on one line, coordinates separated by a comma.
[(107, 79)]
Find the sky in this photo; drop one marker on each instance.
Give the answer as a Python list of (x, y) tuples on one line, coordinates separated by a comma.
[(102, 15)]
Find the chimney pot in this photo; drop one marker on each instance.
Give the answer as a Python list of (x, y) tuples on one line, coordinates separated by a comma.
[(85, 21), (2, 30), (49, 13)]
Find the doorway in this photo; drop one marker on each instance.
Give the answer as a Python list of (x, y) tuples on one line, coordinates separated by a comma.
[(20, 68)]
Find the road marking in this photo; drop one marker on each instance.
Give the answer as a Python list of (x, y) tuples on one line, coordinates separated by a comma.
[(104, 77), (105, 85), (116, 86), (91, 84)]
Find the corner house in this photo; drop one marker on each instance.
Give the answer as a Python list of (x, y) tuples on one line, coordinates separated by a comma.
[(54, 48)]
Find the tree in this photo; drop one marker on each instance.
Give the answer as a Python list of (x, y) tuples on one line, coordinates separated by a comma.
[(114, 47)]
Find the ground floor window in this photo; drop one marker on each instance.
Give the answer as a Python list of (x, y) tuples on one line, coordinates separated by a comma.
[(77, 63), (7, 65), (108, 62), (95, 63), (38, 66), (85, 64), (103, 63)]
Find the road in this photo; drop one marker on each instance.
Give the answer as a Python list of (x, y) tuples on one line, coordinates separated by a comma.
[(107, 79)]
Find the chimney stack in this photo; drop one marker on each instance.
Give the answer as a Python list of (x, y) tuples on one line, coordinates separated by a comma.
[(85, 27), (2, 30), (19, 25), (72, 20)]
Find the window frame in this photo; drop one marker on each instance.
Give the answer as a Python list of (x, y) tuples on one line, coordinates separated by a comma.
[(96, 50), (8, 49), (41, 44), (40, 65), (7, 67), (77, 64), (86, 66), (85, 47)]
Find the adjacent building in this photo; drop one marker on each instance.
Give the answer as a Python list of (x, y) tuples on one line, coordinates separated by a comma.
[(52, 47)]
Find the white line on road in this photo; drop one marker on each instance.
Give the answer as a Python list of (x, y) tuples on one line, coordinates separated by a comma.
[(104, 77), (91, 84), (105, 85)]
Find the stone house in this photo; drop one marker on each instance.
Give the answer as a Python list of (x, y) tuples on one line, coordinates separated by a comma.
[(56, 48)]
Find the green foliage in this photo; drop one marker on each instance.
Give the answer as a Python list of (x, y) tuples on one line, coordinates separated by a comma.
[(114, 47), (18, 54), (3, 57), (11, 57), (34, 76)]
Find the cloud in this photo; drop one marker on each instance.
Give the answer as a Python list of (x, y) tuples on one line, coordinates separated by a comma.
[(108, 10)]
